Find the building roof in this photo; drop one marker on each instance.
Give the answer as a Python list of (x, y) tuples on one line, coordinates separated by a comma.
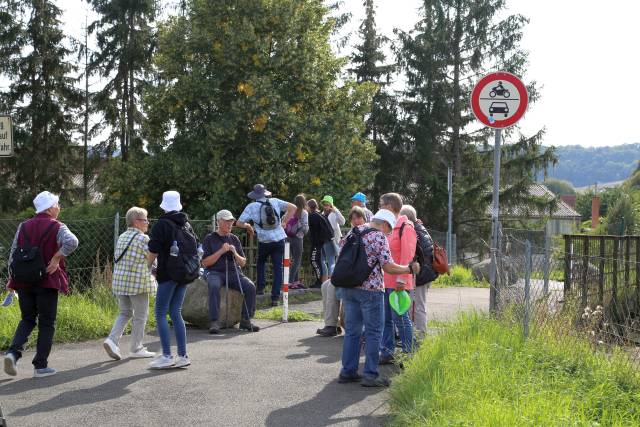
[(562, 210)]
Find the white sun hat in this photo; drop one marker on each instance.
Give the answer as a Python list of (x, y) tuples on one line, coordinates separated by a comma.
[(386, 215), (170, 201), (44, 201)]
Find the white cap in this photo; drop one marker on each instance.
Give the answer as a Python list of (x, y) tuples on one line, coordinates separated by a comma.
[(385, 215), (224, 215), (170, 201), (44, 201)]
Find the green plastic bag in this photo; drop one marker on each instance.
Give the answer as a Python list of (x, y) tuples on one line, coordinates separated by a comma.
[(400, 302)]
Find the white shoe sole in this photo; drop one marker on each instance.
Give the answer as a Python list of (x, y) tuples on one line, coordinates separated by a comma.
[(44, 375), (10, 367), (138, 356), (110, 352), (156, 368), (184, 365)]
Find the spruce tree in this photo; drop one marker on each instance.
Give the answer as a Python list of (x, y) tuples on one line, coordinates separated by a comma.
[(126, 41), (453, 46), (368, 65), (42, 100)]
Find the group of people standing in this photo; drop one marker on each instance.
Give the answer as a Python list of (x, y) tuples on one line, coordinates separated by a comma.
[(164, 262)]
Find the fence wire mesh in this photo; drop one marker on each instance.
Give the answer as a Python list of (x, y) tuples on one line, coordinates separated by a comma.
[(577, 286)]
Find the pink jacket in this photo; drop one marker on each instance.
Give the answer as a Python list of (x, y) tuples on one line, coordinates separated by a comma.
[(401, 251)]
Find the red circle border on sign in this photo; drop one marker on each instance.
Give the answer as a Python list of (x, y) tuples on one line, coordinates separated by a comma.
[(522, 91)]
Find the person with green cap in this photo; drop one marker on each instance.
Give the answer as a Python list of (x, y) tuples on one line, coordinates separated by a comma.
[(335, 218)]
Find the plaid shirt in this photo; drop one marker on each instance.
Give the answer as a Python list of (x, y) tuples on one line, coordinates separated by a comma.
[(131, 275)]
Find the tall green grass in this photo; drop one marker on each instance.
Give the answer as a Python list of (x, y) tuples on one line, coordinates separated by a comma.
[(459, 277), (81, 316), (480, 372)]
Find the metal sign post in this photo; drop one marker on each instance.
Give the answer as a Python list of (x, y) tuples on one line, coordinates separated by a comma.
[(495, 213), (498, 100)]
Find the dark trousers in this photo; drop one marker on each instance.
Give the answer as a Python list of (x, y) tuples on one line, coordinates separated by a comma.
[(316, 262), (276, 251), (216, 280), (37, 305)]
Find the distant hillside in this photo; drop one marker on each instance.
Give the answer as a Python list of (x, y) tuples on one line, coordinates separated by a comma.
[(583, 166)]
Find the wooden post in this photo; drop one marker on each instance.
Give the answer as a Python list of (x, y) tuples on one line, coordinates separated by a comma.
[(627, 261), (585, 269), (601, 272), (567, 264)]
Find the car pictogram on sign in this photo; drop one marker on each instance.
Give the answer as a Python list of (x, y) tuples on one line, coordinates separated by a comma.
[(499, 107)]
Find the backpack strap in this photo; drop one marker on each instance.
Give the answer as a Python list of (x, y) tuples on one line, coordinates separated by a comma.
[(125, 249), (23, 229)]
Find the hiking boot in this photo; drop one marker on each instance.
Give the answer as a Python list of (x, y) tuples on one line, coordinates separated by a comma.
[(44, 372), (246, 325), (214, 328), (112, 349), (10, 364), (328, 331), (375, 382), (386, 360), (344, 379), (182, 362)]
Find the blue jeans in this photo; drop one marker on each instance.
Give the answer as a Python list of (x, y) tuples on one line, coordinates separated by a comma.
[(392, 321), (366, 308), (169, 299), (329, 255), (276, 251)]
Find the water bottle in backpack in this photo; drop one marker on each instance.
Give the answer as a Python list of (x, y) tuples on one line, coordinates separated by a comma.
[(174, 250)]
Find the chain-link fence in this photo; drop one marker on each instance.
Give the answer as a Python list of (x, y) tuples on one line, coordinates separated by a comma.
[(587, 286)]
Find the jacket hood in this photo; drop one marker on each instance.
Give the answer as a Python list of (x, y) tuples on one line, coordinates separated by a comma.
[(179, 218)]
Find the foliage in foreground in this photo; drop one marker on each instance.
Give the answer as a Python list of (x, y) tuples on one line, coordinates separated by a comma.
[(481, 372), (80, 317), (294, 315)]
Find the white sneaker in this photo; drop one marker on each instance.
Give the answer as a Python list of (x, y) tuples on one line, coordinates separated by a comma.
[(182, 362), (44, 372), (10, 364), (162, 362), (112, 349), (142, 353)]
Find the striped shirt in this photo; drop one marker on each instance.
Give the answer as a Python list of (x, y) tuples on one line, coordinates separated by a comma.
[(131, 275)]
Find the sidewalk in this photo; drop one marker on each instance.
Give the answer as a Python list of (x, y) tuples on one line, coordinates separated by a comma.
[(284, 375)]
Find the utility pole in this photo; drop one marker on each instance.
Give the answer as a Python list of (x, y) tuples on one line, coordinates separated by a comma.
[(86, 112), (450, 214)]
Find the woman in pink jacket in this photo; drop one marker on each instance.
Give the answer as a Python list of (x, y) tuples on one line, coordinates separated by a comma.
[(402, 243)]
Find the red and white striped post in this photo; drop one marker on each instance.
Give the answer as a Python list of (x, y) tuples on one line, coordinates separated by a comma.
[(285, 284)]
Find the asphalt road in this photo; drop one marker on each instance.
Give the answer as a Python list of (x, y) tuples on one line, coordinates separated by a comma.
[(284, 375)]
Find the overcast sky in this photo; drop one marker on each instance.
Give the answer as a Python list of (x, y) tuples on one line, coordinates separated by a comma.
[(584, 54)]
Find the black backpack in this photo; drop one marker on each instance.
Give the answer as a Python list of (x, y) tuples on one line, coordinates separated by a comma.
[(423, 255), (184, 268), (325, 233), (352, 268), (269, 217), (27, 264)]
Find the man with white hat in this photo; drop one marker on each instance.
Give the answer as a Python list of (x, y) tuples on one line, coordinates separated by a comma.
[(266, 213), (38, 280), (364, 305), (223, 259)]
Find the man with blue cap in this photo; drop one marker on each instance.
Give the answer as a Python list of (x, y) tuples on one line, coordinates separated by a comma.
[(359, 199)]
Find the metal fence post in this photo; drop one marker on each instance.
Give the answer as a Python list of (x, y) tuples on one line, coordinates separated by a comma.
[(547, 257), (527, 286), (116, 230)]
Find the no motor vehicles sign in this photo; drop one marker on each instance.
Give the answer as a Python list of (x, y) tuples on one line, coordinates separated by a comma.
[(6, 137), (499, 100)]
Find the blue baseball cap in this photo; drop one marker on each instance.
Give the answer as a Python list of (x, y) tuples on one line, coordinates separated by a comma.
[(360, 197)]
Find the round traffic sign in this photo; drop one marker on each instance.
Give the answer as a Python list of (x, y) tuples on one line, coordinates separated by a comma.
[(499, 99)]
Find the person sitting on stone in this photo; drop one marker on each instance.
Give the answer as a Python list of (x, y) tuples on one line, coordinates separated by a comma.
[(223, 259)]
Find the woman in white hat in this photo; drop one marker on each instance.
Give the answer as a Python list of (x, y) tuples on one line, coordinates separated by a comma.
[(38, 289)]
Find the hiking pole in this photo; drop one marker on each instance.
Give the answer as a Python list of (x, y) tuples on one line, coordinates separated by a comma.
[(226, 284), (3, 421), (285, 284), (244, 300)]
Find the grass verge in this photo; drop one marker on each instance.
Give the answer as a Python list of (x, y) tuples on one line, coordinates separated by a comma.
[(275, 314), (460, 277), (80, 317), (482, 372)]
